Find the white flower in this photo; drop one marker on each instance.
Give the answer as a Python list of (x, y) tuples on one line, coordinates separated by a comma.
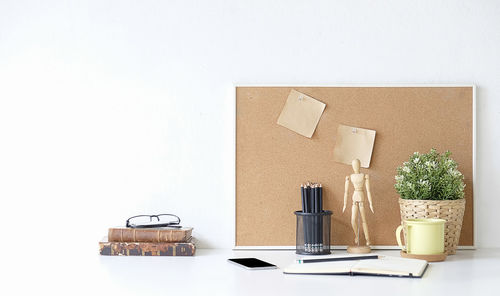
[(423, 182), (430, 164), (416, 160), (399, 178), (406, 169)]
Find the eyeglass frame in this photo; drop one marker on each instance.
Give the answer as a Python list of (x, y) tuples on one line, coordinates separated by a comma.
[(169, 224)]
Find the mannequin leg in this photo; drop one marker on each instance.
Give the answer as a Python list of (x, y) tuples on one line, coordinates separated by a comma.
[(365, 225), (354, 221)]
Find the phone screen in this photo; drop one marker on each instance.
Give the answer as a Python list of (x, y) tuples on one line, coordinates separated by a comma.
[(252, 263)]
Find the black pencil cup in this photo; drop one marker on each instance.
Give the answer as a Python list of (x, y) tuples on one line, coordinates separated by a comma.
[(313, 233)]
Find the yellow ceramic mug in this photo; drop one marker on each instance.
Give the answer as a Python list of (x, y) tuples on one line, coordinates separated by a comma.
[(423, 236)]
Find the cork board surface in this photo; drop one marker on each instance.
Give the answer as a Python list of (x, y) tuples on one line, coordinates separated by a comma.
[(272, 161)]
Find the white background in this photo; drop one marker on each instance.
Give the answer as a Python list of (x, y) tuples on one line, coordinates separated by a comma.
[(113, 108)]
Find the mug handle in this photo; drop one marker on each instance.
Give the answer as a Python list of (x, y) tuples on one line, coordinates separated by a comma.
[(398, 237)]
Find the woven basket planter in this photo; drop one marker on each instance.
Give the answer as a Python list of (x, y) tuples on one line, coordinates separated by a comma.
[(450, 210)]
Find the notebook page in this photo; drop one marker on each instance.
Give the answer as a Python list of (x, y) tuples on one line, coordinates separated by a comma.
[(391, 266), (321, 268)]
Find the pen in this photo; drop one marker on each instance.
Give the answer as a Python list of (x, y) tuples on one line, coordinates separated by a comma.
[(338, 259)]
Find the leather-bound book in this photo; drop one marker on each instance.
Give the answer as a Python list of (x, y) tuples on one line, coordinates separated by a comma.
[(146, 248), (155, 235)]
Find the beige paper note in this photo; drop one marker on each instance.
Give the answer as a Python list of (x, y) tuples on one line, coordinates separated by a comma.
[(301, 113), (352, 143)]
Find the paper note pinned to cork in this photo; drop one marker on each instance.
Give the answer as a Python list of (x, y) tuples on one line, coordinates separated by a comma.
[(352, 143), (301, 113)]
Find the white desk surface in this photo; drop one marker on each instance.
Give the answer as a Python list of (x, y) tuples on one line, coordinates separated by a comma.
[(208, 273)]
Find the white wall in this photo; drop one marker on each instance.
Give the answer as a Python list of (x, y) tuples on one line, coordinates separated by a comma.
[(113, 108)]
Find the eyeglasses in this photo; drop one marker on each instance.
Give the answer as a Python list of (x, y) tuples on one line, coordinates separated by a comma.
[(151, 221)]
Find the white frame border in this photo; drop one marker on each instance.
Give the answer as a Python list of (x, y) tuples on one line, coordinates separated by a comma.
[(474, 126)]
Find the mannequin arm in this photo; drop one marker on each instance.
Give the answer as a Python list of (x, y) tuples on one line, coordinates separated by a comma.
[(368, 192), (346, 192)]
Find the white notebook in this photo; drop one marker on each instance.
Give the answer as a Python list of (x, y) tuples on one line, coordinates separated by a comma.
[(385, 266)]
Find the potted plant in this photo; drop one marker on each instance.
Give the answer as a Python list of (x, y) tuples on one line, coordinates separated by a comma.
[(431, 186)]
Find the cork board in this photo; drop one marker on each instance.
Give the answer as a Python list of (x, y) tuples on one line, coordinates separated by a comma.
[(272, 161)]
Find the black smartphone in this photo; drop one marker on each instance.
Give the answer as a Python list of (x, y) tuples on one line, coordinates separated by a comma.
[(252, 263)]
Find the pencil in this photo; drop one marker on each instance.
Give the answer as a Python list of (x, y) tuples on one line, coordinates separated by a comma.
[(316, 220), (320, 198), (304, 209), (302, 191), (320, 203), (307, 217)]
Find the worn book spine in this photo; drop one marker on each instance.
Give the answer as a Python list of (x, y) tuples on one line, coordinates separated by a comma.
[(146, 249), (155, 235)]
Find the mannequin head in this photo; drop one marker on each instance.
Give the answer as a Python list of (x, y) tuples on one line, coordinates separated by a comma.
[(355, 165)]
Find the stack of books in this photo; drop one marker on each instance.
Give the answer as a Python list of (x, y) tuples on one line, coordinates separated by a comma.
[(161, 241)]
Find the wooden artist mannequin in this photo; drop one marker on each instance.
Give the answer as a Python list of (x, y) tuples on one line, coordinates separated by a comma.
[(358, 198)]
